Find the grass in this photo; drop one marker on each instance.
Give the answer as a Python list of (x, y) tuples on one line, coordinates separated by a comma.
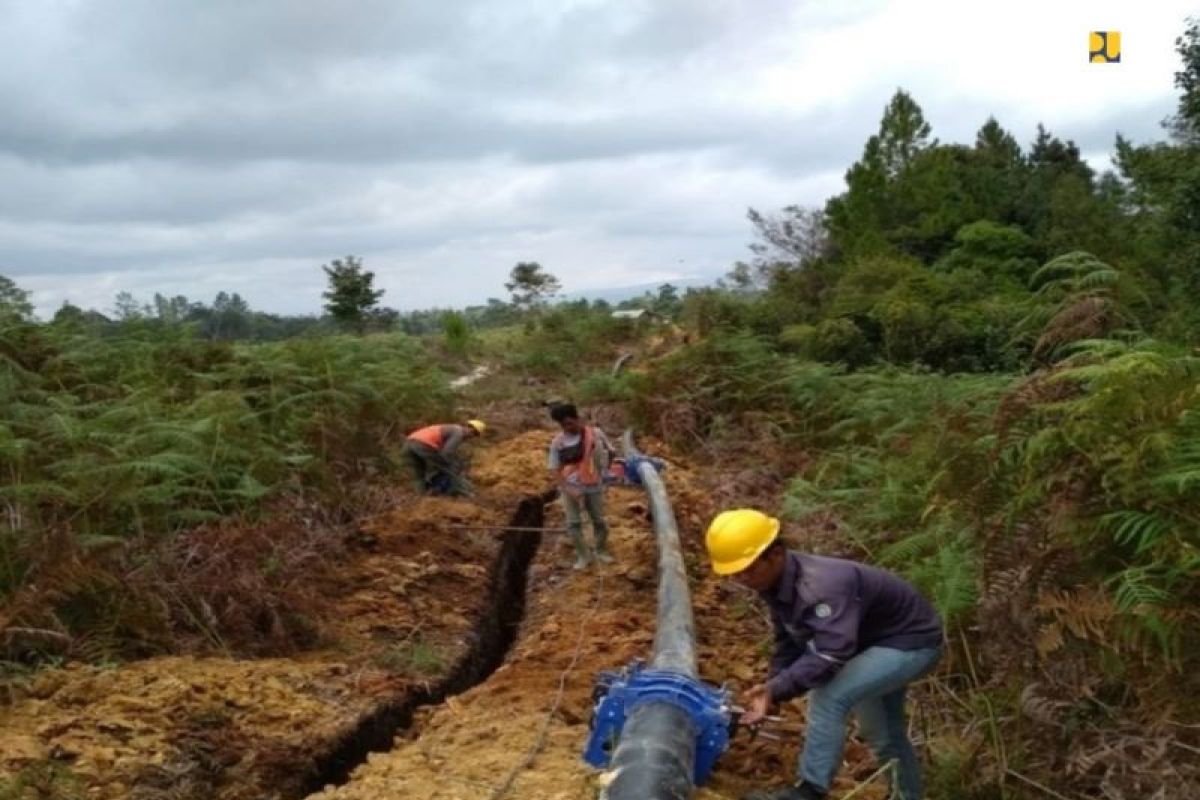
[(414, 657), (42, 780)]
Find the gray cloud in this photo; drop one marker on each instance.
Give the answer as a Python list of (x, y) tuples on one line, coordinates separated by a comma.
[(172, 145)]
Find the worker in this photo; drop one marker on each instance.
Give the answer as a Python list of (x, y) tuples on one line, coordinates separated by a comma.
[(431, 453), (850, 635), (578, 461)]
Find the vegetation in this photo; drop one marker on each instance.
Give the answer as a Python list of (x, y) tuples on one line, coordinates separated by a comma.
[(43, 779), (530, 285), (111, 445), (351, 298), (414, 657), (979, 363)]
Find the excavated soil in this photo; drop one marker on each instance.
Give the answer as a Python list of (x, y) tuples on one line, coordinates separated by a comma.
[(520, 733), (209, 727), (400, 615)]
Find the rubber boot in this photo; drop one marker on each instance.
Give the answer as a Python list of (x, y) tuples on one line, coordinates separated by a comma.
[(583, 556), (600, 533)]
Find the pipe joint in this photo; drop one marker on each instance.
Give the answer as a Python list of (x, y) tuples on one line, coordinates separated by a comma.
[(618, 694)]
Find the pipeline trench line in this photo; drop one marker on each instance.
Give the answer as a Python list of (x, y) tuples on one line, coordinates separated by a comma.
[(506, 785)]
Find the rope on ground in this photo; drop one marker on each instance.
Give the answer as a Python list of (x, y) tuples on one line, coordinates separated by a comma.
[(889, 768), (540, 742)]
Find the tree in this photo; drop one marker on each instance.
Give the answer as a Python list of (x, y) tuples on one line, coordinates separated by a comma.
[(173, 310), (14, 301), (230, 317), (667, 302), (997, 251), (126, 307), (741, 279), (530, 285), (1058, 176), (858, 219), (903, 133), (997, 173), (457, 333), (997, 145), (1185, 125), (792, 239), (350, 297)]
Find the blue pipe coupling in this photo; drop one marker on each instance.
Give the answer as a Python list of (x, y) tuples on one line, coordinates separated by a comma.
[(617, 694)]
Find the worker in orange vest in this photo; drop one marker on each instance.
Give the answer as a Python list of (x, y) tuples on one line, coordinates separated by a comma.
[(430, 452), (578, 461)]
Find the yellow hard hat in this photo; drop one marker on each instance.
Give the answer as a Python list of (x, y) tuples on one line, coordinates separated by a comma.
[(477, 425), (735, 538)]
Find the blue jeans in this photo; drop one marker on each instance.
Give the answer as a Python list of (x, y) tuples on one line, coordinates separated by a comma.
[(573, 509), (872, 685)]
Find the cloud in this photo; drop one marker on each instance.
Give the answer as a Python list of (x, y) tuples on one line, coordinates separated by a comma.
[(168, 145)]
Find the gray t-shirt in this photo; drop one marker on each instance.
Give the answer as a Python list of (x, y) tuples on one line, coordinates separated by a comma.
[(452, 437), (599, 453)]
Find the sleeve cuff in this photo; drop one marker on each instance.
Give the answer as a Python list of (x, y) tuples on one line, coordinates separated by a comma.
[(777, 690)]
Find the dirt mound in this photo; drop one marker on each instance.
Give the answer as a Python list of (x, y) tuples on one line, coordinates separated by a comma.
[(164, 721), (397, 614)]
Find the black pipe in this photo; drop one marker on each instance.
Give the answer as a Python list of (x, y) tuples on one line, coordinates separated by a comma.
[(654, 758), (657, 750)]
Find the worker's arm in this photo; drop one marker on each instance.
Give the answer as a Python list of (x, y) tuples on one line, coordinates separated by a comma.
[(787, 648), (834, 622), (552, 462), (604, 450), (451, 439)]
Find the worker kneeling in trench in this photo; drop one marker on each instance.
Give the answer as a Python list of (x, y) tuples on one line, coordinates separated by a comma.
[(432, 454), (851, 635)]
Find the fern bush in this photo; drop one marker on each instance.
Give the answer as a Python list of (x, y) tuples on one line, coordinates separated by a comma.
[(566, 342), (604, 387), (1116, 448), (900, 461), (108, 446), (1053, 518)]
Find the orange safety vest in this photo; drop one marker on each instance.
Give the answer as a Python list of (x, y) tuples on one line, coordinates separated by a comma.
[(585, 469), (430, 435)]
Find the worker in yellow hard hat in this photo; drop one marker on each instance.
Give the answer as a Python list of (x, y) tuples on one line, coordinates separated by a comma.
[(432, 451), (850, 635)]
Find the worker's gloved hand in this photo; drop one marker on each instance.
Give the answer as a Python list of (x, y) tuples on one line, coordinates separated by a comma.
[(757, 701)]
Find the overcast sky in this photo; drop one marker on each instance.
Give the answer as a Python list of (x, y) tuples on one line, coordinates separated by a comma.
[(192, 147)]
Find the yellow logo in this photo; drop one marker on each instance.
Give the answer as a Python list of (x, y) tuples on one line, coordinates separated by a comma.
[(1104, 47)]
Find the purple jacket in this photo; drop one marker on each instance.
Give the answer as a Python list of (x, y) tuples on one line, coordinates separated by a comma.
[(828, 610)]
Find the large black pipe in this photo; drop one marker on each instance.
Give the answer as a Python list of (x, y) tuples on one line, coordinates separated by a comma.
[(655, 755)]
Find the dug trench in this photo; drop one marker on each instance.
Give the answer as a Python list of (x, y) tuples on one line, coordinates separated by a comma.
[(521, 732), (423, 604), (492, 637), (523, 635)]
